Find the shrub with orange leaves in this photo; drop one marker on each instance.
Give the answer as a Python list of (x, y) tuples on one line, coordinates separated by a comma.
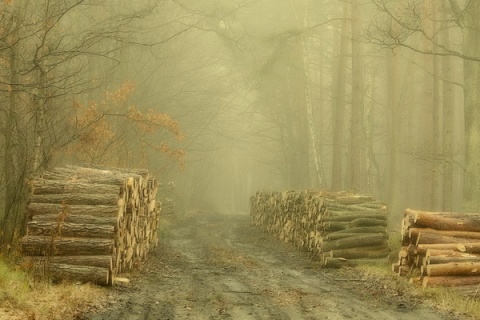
[(112, 126)]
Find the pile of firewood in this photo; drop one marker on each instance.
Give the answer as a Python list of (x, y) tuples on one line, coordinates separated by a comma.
[(335, 227), (354, 227), (292, 216), (440, 249), (90, 224)]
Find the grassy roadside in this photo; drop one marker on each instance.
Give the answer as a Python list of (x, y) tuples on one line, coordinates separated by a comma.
[(441, 298), (23, 298)]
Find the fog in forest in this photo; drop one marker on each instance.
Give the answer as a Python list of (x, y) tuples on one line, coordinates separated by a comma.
[(226, 98)]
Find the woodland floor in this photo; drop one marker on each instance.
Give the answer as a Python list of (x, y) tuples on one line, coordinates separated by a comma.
[(213, 266)]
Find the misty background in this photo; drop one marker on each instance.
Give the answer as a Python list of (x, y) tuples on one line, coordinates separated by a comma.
[(374, 96)]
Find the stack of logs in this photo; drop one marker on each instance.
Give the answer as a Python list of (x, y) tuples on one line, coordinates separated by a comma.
[(441, 249), (335, 226), (90, 224)]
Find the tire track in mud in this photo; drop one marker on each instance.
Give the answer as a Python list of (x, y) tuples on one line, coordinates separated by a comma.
[(212, 266)]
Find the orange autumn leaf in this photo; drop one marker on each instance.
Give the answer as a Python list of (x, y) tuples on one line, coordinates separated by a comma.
[(107, 125)]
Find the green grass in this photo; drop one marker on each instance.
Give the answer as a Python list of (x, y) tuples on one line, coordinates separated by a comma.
[(14, 285), (23, 298), (441, 298)]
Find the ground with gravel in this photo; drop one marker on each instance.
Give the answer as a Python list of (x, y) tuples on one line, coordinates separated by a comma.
[(215, 266)]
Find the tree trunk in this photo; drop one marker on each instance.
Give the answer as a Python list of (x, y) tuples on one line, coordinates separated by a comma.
[(78, 219), (40, 123), (351, 215), (308, 96), (471, 247), (35, 209), (43, 186), (453, 269), (38, 245), (361, 253), (430, 238), (436, 105), (377, 229), (441, 260), (414, 232), (448, 122), (79, 199), (392, 139), (472, 107), (104, 261), (450, 281), (357, 132), (59, 272), (67, 229), (11, 171), (354, 242), (343, 235), (338, 103), (360, 222), (460, 222)]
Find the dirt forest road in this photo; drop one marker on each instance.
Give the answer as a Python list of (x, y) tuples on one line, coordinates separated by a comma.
[(213, 266)]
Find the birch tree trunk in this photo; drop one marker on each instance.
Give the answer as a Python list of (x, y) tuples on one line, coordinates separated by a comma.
[(308, 99)]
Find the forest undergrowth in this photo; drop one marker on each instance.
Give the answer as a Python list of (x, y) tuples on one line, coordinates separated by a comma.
[(21, 297)]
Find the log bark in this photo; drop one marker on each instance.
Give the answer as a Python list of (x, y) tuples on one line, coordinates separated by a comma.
[(44, 186), (353, 242), (78, 219), (433, 253), (100, 261), (332, 206), (453, 269), (374, 252), (109, 213), (456, 215), (367, 222), (79, 199), (441, 260), (357, 223), (56, 208), (354, 199), (414, 232), (72, 230), (117, 180), (375, 205), (459, 222), (431, 238), (363, 230), (471, 247), (352, 215), (300, 218), (87, 172), (38, 245), (343, 235), (59, 272)]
